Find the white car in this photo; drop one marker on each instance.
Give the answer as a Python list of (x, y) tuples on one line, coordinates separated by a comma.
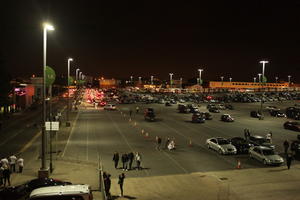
[(110, 107), (221, 145), (265, 155)]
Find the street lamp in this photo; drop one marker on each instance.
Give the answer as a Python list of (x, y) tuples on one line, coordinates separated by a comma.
[(230, 79), (263, 62), (259, 79), (43, 172), (152, 80), (140, 80), (77, 74), (289, 78), (181, 83), (171, 79), (68, 79), (200, 70), (254, 79), (131, 79), (276, 79)]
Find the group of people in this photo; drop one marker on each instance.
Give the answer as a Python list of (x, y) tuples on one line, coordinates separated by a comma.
[(107, 184), (127, 160), (8, 166)]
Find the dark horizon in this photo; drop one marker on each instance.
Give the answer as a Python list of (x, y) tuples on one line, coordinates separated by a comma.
[(120, 39)]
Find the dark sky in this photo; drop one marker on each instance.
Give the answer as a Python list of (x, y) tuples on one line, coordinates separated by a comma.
[(143, 38)]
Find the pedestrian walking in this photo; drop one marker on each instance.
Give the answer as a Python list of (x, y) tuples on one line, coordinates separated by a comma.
[(116, 159), (6, 175), (107, 184), (138, 159), (124, 159), (248, 133), (158, 142), (171, 145), (167, 143), (20, 163), (12, 163), (4, 161), (286, 146), (137, 109), (121, 182), (130, 159), (269, 138), (289, 159)]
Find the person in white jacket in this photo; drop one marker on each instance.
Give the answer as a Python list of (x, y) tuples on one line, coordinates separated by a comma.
[(20, 162)]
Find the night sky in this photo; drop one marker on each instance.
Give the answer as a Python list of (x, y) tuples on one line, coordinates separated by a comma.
[(116, 39)]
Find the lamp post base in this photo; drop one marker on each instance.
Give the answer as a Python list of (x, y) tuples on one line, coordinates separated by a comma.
[(43, 173), (68, 124)]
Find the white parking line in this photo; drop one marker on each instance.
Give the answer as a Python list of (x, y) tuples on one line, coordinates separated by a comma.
[(72, 130)]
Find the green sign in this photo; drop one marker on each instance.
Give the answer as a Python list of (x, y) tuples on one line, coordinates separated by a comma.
[(50, 76), (264, 79)]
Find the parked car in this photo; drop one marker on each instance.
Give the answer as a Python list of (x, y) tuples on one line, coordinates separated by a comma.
[(258, 140), (241, 145), (277, 113), (198, 118), (110, 107), (227, 118), (23, 191), (229, 106), (221, 145), (183, 108), (265, 155), (214, 110), (295, 126), (168, 103), (207, 115), (255, 114), (272, 108)]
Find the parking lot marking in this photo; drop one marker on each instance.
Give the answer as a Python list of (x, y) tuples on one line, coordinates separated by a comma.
[(72, 130)]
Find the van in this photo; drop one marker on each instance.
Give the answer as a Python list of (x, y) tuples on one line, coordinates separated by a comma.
[(63, 192)]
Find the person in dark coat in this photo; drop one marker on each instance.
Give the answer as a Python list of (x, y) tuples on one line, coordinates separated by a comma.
[(289, 159), (121, 182), (107, 183), (130, 159), (125, 161), (167, 143), (286, 146), (6, 175), (116, 159)]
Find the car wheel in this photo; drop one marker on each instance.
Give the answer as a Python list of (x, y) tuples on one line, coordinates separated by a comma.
[(265, 162), (220, 152)]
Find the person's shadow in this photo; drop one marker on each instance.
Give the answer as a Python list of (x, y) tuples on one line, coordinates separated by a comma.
[(113, 197)]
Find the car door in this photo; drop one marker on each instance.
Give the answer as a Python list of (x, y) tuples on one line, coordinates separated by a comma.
[(255, 153), (214, 144)]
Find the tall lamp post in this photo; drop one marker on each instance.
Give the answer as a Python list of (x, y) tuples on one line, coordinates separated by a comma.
[(44, 172), (77, 70), (259, 78), (200, 70), (263, 62), (131, 79), (180, 83), (140, 80), (289, 79), (230, 79), (276, 79), (171, 79), (254, 79), (262, 80), (151, 80), (68, 79)]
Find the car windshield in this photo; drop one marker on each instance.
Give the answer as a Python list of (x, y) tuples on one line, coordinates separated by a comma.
[(222, 142), (260, 140), (268, 152)]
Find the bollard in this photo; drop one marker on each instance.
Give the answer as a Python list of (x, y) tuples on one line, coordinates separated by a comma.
[(239, 166), (190, 143)]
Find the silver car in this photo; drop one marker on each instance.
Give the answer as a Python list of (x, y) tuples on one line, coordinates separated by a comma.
[(265, 155), (221, 145)]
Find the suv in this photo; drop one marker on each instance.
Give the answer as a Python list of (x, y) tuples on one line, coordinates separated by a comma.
[(80, 192), (149, 114)]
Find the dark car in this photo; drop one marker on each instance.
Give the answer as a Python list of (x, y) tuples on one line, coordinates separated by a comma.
[(227, 118), (23, 191), (258, 140), (149, 114), (183, 108), (207, 115), (277, 113), (295, 126), (214, 110), (168, 104), (198, 118), (240, 144), (229, 106), (255, 114)]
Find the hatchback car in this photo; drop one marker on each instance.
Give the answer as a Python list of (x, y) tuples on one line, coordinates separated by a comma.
[(265, 155), (227, 118), (295, 126), (221, 145)]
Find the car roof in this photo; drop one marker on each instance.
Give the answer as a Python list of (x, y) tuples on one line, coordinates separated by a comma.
[(256, 136), (60, 190), (262, 147)]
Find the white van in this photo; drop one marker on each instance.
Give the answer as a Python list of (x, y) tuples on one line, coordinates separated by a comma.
[(63, 192)]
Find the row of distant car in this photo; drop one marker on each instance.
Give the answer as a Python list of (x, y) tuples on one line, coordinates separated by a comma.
[(257, 147)]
